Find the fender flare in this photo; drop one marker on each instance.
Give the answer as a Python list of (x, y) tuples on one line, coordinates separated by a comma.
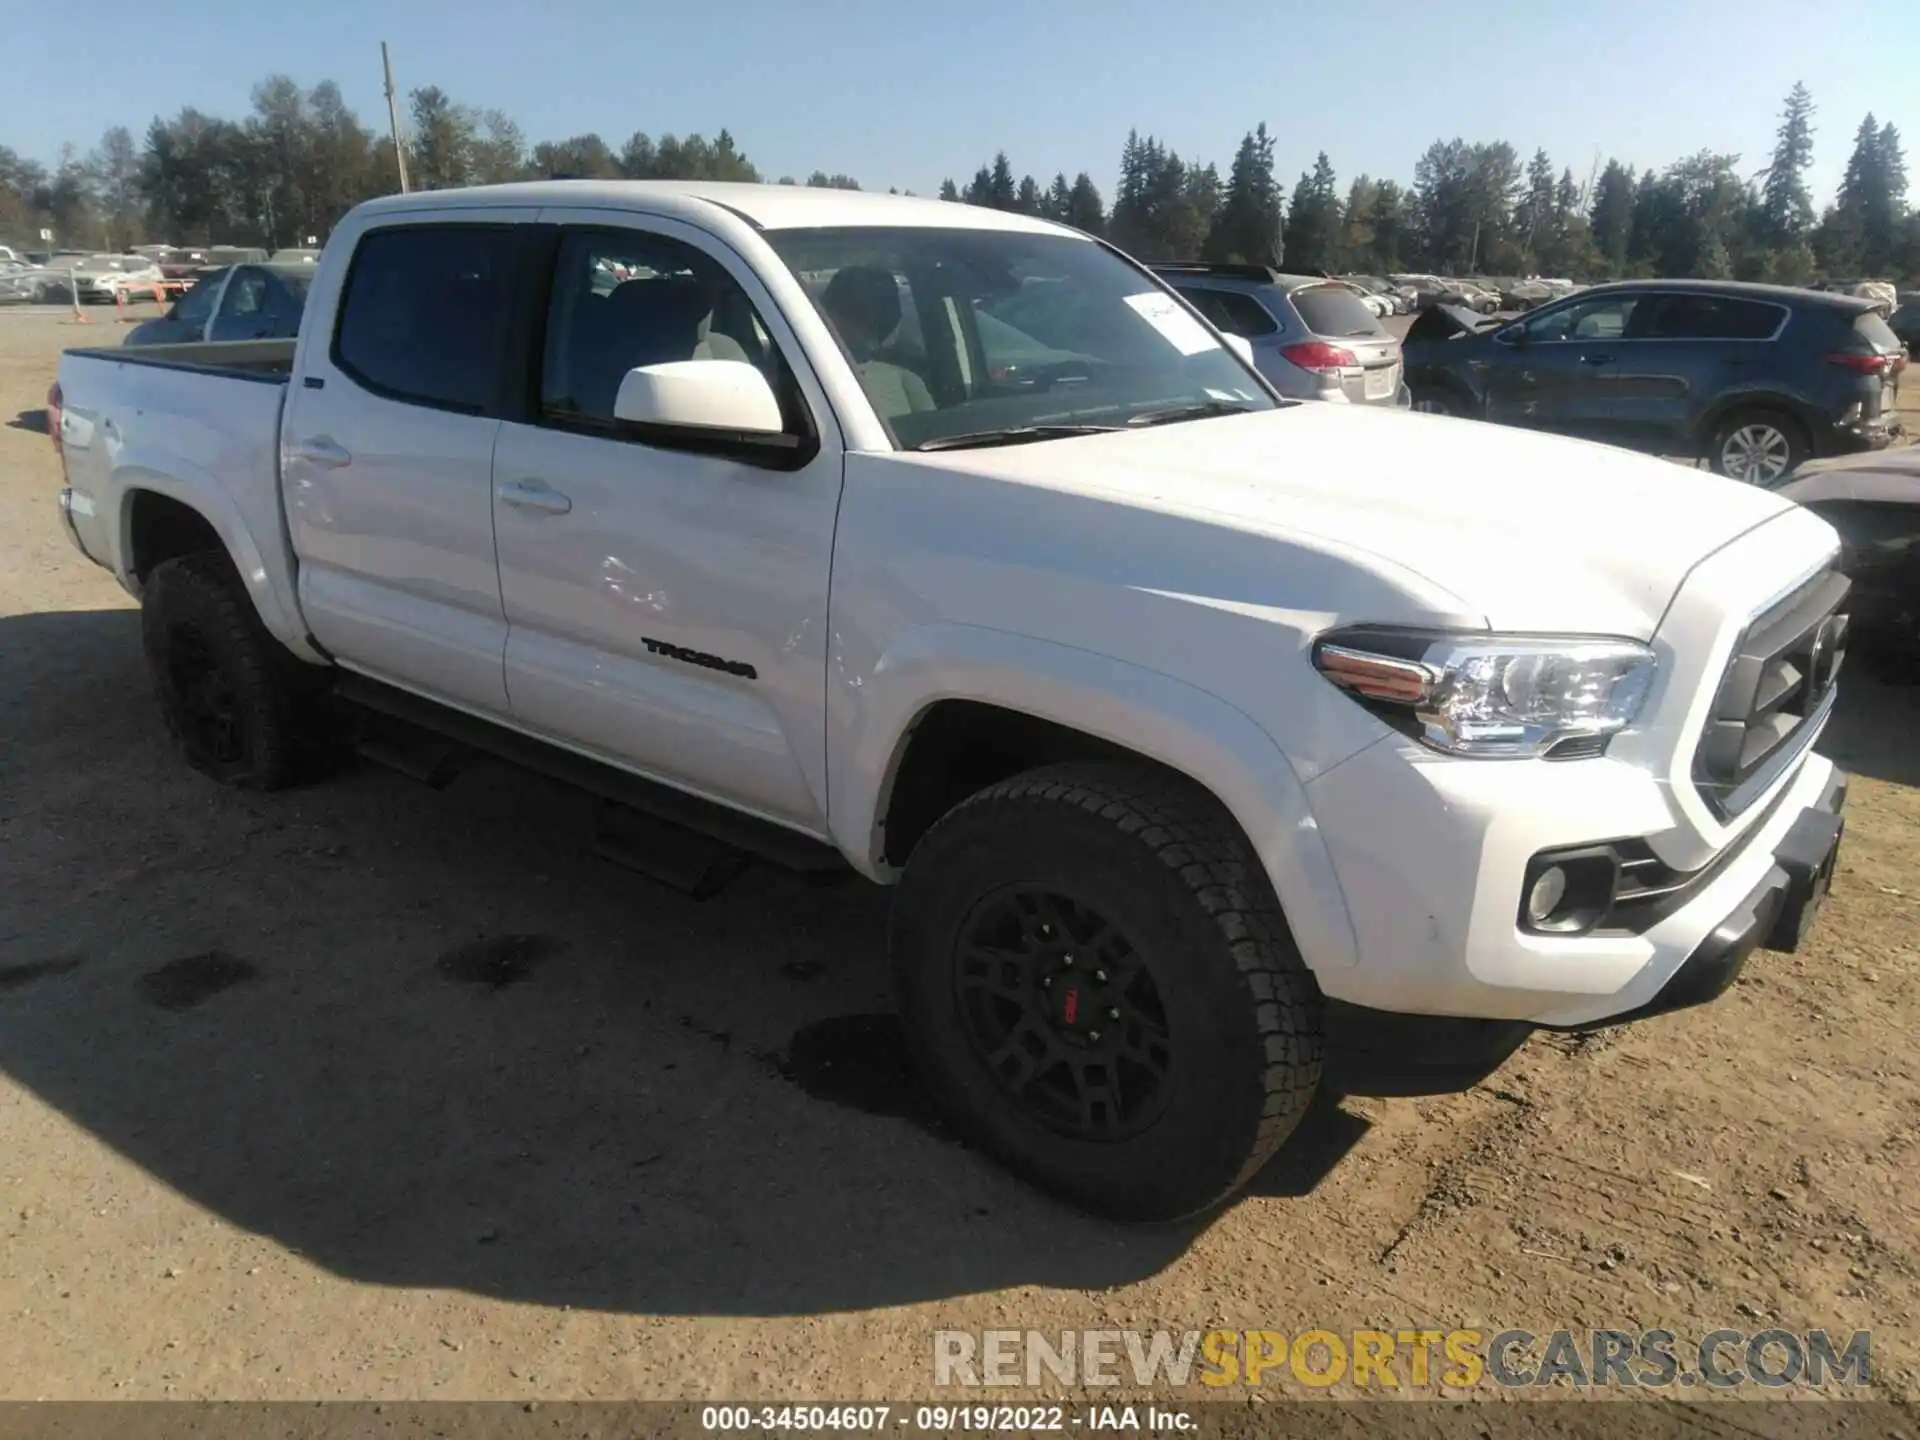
[(1802, 412), (202, 494), (1154, 715)]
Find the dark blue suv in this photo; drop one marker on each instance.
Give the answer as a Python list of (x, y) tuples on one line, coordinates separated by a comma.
[(1755, 378)]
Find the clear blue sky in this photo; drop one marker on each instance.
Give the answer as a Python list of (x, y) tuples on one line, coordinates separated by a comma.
[(902, 93)]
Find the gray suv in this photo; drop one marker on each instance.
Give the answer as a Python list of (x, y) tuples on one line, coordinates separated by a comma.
[(1313, 338)]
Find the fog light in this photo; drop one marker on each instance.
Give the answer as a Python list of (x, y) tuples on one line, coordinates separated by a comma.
[(1568, 892), (1547, 893)]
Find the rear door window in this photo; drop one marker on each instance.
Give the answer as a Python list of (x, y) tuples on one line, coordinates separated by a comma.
[(424, 316), (1231, 312), (1335, 310), (1710, 317)]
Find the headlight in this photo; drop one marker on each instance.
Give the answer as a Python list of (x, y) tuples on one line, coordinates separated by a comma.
[(1493, 695)]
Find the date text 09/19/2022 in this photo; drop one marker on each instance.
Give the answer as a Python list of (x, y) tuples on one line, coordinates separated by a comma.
[(944, 1419)]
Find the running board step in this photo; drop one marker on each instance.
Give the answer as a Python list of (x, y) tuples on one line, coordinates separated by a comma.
[(697, 865), (687, 816)]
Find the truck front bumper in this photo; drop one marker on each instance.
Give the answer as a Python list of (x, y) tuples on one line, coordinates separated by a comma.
[(1777, 914), (1432, 855)]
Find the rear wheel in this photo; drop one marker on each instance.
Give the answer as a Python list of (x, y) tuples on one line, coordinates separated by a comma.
[(1757, 446), (1102, 991), (240, 707)]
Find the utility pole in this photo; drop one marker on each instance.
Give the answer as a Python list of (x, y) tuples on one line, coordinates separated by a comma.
[(393, 119)]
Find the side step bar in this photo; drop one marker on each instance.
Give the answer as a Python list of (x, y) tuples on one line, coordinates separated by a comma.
[(655, 841)]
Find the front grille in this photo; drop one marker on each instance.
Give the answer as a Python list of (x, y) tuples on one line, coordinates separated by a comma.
[(1781, 676)]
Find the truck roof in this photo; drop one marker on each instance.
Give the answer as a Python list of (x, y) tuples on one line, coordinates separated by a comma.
[(770, 207)]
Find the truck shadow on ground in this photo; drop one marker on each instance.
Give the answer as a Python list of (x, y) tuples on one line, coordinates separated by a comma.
[(427, 1038)]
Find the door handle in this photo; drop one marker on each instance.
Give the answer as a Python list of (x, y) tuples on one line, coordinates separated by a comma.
[(1596, 359), (321, 450), (534, 495)]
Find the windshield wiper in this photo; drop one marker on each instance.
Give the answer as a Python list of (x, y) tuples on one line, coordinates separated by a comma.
[(1010, 435), (1174, 414)]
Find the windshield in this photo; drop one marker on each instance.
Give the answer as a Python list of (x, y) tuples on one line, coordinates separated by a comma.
[(956, 333)]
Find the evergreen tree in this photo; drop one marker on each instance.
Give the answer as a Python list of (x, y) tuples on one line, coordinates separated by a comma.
[(1002, 193), (1029, 200), (1533, 216), (1611, 218), (948, 190), (1059, 202), (1313, 220), (1247, 227), (1084, 211), (1867, 232), (1642, 231), (1786, 210)]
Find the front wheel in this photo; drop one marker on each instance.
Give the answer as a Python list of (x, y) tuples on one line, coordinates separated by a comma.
[(1757, 447), (1101, 990)]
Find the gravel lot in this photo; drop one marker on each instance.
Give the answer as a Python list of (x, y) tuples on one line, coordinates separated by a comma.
[(373, 1091)]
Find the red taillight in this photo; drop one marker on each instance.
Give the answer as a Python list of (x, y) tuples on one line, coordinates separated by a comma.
[(1858, 363), (54, 404), (1319, 355)]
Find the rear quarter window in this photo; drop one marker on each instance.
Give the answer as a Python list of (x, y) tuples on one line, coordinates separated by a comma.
[(1335, 310), (1231, 312), (424, 313)]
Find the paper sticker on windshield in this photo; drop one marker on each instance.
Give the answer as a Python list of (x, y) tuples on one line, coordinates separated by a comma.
[(1178, 328)]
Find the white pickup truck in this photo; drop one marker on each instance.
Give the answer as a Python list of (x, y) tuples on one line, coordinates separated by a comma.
[(955, 544)]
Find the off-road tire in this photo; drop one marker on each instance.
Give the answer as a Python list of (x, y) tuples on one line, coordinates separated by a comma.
[(281, 726), (1170, 868)]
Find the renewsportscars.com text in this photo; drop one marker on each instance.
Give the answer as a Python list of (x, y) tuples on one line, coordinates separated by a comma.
[(1392, 1360)]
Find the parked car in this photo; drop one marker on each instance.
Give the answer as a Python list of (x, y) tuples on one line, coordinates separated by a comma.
[(235, 255), (1376, 288), (1873, 500), (184, 263), (1312, 337), (1523, 295), (1881, 293), (1469, 294), (294, 257), (1174, 710), (243, 302), (1905, 322), (102, 278), (1754, 378)]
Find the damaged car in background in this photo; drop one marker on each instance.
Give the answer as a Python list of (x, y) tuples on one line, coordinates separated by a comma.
[(1755, 379)]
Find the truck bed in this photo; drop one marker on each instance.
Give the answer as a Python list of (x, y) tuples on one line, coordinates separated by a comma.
[(199, 423), (269, 360)]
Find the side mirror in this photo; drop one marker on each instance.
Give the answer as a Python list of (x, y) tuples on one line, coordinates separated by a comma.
[(1240, 346), (723, 396), (1515, 335)]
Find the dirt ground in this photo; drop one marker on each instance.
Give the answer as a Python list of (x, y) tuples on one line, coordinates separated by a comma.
[(373, 1091)]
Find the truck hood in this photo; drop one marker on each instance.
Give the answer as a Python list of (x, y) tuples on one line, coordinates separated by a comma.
[(1523, 531)]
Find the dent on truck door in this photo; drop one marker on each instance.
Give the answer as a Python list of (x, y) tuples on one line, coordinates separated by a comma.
[(666, 605), (389, 440)]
